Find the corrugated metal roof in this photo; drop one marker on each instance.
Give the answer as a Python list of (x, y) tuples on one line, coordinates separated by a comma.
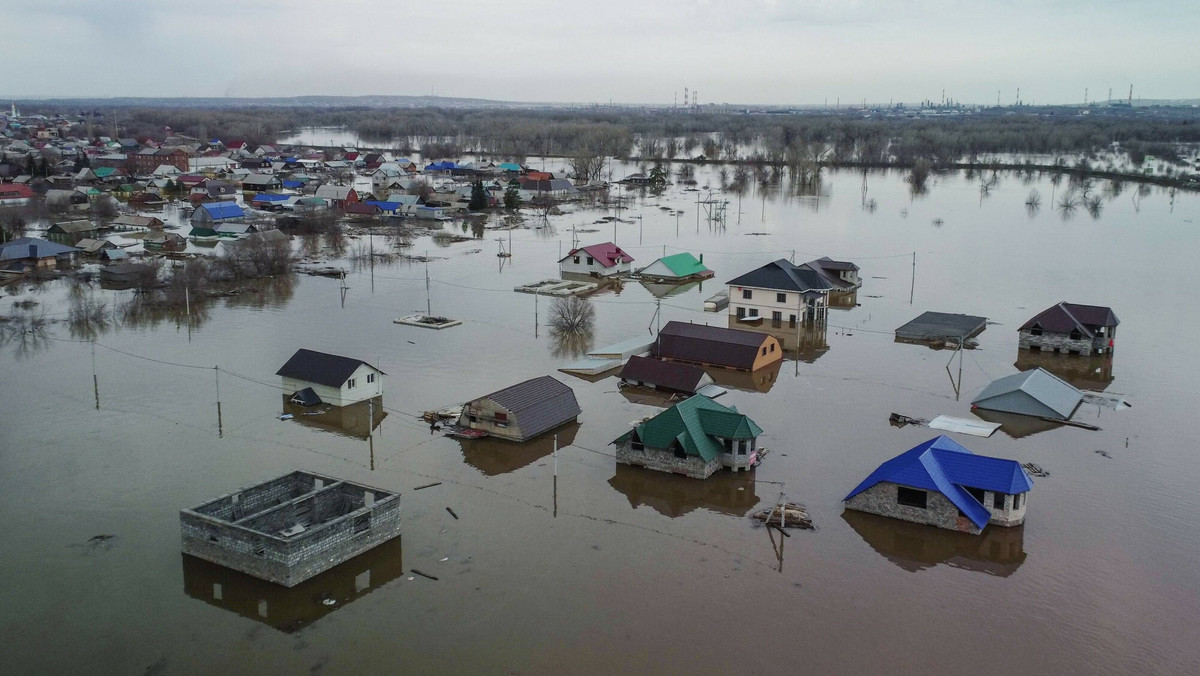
[(539, 404), (943, 465), (683, 265), (669, 375), (607, 253), (1065, 317), (1037, 392), (223, 210), (320, 367), (782, 275), (942, 325), (33, 247), (709, 344), (694, 423)]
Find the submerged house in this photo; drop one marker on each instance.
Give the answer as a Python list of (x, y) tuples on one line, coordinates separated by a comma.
[(316, 377), (780, 291), (941, 483), (603, 260), (664, 375), (941, 327), (1070, 328), (716, 346), (1037, 393), (291, 528), (522, 411), (210, 213), (34, 252), (695, 438), (680, 267)]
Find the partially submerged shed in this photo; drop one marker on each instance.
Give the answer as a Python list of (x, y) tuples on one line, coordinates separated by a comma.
[(941, 326), (1036, 393), (291, 528), (522, 411), (716, 346), (664, 375)]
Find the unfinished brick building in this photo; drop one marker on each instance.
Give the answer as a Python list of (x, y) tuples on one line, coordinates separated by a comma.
[(288, 529)]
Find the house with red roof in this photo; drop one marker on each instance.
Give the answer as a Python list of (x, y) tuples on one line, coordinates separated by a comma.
[(601, 260)]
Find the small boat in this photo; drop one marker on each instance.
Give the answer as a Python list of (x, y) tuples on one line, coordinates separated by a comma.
[(465, 433)]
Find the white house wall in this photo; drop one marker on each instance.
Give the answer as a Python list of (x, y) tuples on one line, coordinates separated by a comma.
[(344, 395), (763, 302)]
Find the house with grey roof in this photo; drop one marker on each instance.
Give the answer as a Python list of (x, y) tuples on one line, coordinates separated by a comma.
[(33, 252), (522, 411), (1070, 328), (780, 291), (318, 377), (1037, 393)]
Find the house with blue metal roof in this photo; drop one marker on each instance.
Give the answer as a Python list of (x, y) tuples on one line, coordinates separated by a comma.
[(941, 483), (215, 212)]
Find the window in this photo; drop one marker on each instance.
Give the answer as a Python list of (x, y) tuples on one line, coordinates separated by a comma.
[(1076, 335), (792, 321), (591, 260), (764, 351), (350, 384), (742, 447), (776, 319), (772, 347), (1035, 331), (976, 493), (998, 500), (679, 452), (362, 524), (1017, 501), (911, 497), (747, 294), (575, 260), (741, 312), (502, 417), (753, 312), (781, 298), (370, 377)]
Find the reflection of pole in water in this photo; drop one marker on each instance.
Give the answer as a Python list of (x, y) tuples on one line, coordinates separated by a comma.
[(556, 476), (913, 287)]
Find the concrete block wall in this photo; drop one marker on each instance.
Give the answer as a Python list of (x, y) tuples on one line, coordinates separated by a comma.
[(666, 461), (264, 496)]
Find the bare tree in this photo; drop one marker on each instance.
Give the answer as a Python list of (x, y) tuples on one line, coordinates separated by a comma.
[(572, 315)]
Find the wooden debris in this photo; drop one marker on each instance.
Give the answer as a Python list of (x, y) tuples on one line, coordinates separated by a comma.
[(792, 516), (436, 483), (1072, 423), (1035, 470), (452, 513), (414, 570), (900, 420)]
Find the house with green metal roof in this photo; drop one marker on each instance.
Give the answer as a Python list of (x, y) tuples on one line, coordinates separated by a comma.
[(678, 267), (695, 438)]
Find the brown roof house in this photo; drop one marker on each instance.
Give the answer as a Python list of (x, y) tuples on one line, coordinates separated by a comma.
[(664, 375), (1070, 328), (716, 346), (522, 411)]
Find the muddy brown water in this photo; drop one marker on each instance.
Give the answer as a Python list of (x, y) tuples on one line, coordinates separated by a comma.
[(624, 570)]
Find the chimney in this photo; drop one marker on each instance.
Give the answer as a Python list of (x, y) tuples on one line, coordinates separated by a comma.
[(701, 259)]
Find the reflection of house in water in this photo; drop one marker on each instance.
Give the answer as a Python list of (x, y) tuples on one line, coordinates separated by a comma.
[(493, 456), (357, 420), (843, 300), (292, 609), (672, 495), (1014, 425), (660, 289), (761, 380), (914, 547), (807, 342), (1086, 373)]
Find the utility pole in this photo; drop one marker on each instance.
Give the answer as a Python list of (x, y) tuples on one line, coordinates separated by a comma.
[(220, 426), (95, 380), (428, 302), (913, 287)]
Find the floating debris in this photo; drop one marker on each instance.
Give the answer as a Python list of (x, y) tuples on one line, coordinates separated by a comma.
[(1103, 454), (792, 516), (427, 575), (901, 420), (427, 321), (1035, 470)]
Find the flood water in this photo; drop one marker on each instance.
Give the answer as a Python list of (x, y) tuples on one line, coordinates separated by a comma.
[(621, 570)]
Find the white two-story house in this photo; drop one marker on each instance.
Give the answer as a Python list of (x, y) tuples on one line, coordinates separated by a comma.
[(781, 293)]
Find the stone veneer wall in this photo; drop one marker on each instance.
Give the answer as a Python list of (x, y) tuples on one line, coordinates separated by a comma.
[(939, 511), (665, 461), (1007, 516), (1061, 342)]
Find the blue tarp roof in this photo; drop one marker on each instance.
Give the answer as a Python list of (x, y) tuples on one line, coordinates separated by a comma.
[(223, 210), (270, 197), (943, 465)]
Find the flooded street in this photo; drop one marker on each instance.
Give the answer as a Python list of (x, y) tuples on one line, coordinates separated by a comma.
[(617, 569)]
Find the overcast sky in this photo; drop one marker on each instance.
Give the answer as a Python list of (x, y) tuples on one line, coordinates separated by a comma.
[(628, 51)]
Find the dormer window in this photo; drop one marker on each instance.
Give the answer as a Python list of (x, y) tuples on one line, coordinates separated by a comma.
[(1076, 335), (1036, 330)]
